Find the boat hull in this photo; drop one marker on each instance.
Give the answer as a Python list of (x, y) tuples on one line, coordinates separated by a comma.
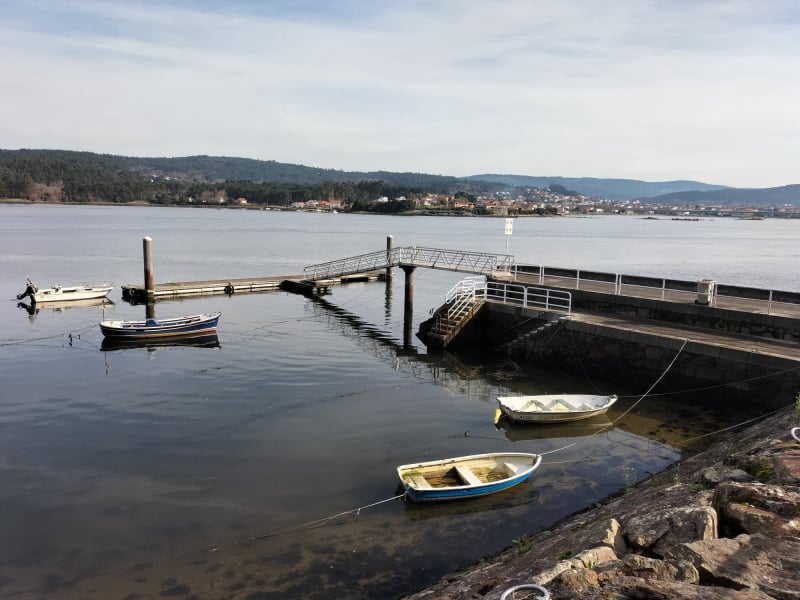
[(554, 409), (196, 325), (466, 477)]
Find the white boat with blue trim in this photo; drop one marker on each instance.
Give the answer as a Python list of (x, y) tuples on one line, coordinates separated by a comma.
[(195, 325), (466, 476)]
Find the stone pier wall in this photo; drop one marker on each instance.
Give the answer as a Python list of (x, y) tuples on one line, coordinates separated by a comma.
[(639, 359)]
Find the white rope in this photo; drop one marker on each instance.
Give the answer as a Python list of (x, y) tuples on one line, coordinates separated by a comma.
[(308, 524), (642, 397)]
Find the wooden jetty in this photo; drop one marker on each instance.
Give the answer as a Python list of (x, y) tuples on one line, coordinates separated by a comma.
[(292, 283)]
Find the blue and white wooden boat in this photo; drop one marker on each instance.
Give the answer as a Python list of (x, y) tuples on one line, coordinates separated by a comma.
[(466, 476), (194, 325)]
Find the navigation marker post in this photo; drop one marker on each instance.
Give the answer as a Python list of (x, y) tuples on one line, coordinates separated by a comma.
[(509, 228)]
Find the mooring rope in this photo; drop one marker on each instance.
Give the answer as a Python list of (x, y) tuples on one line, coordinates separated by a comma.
[(69, 335), (306, 525), (642, 397)]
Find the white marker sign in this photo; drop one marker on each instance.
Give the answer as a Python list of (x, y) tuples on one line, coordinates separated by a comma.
[(509, 226)]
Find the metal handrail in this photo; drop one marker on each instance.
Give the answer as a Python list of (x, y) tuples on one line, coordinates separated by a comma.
[(470, 288), (509, 593), (514, 293), (617, 280)]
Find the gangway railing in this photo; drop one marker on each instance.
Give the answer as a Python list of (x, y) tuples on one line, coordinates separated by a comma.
[(434, 258)]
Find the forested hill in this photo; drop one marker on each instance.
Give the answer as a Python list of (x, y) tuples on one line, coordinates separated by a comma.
[(86, 176), (211, 169), (613, 189)]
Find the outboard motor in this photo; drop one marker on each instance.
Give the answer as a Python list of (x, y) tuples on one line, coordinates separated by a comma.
[(30, 290)]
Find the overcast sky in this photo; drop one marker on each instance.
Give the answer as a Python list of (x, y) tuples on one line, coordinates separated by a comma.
[(707, 90)]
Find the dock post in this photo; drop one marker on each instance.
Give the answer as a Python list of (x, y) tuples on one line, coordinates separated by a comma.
[(389, 272), (408, 305), (149, 287)]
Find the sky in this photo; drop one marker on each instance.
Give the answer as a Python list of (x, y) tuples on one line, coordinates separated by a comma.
[(657, 90)]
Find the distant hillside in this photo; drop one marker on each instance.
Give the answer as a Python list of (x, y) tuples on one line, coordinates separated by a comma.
[(777, 196), (55, 164), (613, 189), (84, 175), (222, 168)]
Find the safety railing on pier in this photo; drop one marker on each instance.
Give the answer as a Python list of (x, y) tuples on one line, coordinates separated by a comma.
[(617, 283), (471, 289), (435, 258)]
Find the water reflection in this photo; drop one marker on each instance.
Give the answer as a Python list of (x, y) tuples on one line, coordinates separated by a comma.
[(516, 432), (199, 341), (519, 495), (33, 308)]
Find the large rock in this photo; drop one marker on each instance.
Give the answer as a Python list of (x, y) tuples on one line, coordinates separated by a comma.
[(758, 508), (658, 531), (787, 466), (747, 561), (779, 499), (634, 588), (718, 473)]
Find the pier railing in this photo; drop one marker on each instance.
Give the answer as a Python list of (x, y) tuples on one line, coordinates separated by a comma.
[(478, 288), (617, 283), (434, 258)]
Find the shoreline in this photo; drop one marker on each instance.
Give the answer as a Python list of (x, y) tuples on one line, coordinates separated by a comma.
[(699, 529)]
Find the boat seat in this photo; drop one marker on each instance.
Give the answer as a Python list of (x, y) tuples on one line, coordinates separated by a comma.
[(468, 476), (418, 481), (535, 405), (512, 469)]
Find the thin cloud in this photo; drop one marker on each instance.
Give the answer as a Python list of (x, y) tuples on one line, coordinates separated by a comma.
[(648, 90)]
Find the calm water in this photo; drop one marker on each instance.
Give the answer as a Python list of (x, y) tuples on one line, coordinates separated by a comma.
[(237, 471)]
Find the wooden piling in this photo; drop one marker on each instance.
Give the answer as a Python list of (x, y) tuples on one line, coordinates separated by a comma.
[(389, 257), (408, 304), (147, 246)]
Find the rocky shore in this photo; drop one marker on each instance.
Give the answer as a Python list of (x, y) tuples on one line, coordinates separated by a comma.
[(723, 524)]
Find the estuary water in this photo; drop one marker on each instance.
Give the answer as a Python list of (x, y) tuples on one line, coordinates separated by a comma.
[(264, 467)]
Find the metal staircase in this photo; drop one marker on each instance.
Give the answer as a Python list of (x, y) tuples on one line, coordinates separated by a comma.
[(462, 302)]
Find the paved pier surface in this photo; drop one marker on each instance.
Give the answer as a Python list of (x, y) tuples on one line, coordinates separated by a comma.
[(632, 327)]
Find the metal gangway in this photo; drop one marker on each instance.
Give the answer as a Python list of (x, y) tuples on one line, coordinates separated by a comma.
[(479, 263)]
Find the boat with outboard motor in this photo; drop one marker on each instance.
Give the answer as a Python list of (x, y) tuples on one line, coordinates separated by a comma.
[(65, 293)]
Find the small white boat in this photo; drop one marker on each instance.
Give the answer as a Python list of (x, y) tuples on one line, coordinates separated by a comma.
[(466, 476), (65, 293), (553, 408)]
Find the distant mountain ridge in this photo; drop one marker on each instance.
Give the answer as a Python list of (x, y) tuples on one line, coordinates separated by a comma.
[(613, 189)]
